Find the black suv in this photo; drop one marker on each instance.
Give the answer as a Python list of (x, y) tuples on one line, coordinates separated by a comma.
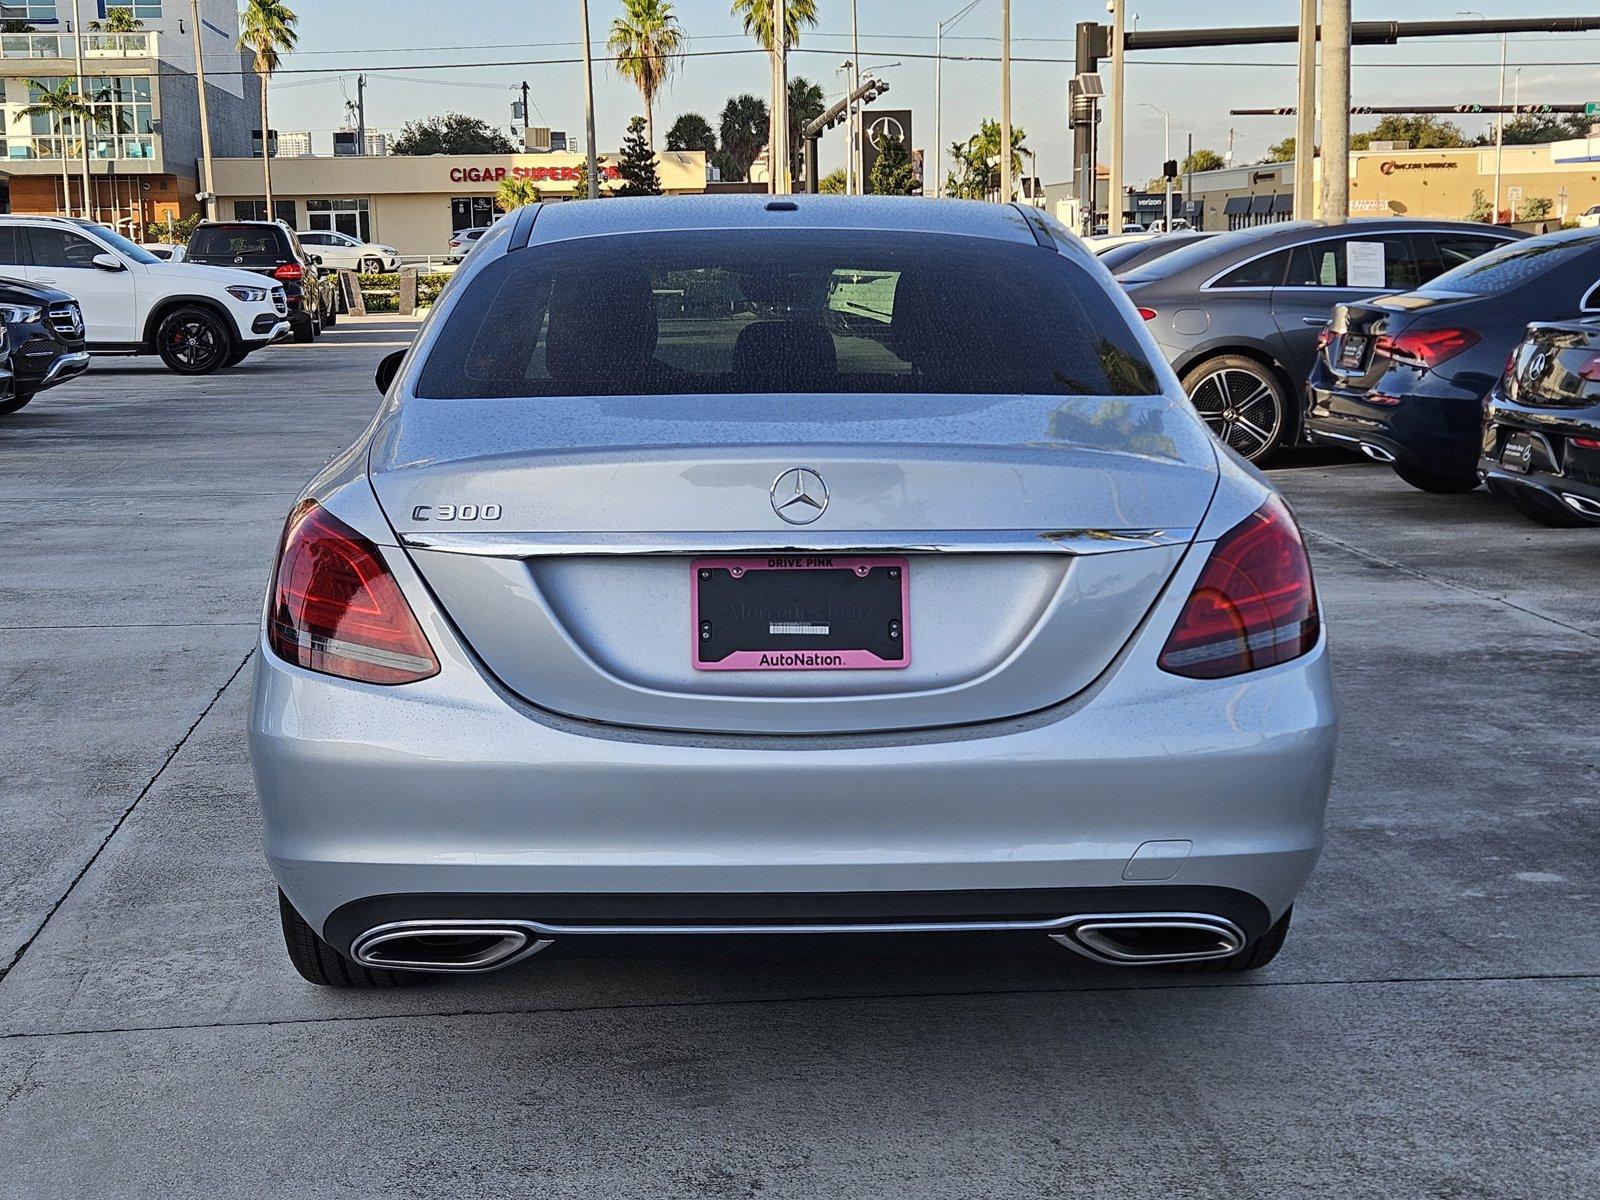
[(270, 248), (44, 329)]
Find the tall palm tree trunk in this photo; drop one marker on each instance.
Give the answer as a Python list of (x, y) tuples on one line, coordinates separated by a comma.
[(266, 146), (66, 179), (650, 123)]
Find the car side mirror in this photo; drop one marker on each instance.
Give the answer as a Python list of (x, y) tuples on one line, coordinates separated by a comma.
[(315, 259), (107, 262), (388, 368)]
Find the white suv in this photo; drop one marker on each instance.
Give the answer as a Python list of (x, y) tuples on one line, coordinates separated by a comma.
[(197, 318), (340, 250)]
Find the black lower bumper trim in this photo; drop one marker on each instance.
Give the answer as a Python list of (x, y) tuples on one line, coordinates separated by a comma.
[(351, 920)]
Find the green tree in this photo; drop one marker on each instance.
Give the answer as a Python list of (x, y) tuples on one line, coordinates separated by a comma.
[(973, 177), (691, 131), (1424, 132), (513, 193), (580, 189), (12, 25), (267, 31), (744, 132), (1535, 208), (63, 105), (1531, 129), (118, 20), (832, 184), (806, 103), (452, 133), (1200, 160), (1481, 209), (893, 173), (645, 42), (638, 163), (1280, 152), (757, 18)]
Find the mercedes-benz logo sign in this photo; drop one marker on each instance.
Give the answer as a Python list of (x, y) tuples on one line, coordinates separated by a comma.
[(885, 127), (799, 496)]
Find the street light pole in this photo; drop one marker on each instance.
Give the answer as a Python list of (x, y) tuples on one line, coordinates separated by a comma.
[(1005, 102), (1305, 121), (77, 52), (1166, 153), (778, 150), (1500, 117), (208, 181), (1115, 101), (858, 160), (588, 107), (938, 93), (1336, 110)]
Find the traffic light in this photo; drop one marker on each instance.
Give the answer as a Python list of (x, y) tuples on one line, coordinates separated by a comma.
[(1169, 169)]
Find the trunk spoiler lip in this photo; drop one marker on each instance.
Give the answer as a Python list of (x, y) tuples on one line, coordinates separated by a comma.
[(1075, 542)]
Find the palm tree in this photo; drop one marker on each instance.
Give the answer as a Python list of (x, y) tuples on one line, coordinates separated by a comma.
[(757, 17), (744, 132), (267, 30), (62, 104), (646, 41), (806, 103), (118, 20), (514, 193)]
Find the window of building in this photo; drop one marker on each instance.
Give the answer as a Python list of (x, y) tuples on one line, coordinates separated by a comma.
[(256, 210), (143, 10), (471, 212), (341, 216), (123, 126), (35, 12)]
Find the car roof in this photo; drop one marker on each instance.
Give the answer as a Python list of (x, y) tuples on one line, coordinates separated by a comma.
[(898, 214)]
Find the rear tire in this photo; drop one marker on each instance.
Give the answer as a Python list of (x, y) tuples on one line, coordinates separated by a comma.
[(1253, 957), (304, 331), (13, 403), (194, 341), (1439, 484), (321, 964), (1245, 403), (1539, 509)]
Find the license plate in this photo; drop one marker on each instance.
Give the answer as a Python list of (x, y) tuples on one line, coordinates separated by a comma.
[(800, 612), (1353, 350), (1518, 454)]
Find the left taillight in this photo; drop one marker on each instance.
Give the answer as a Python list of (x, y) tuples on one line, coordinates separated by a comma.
[(289, 272), (1427, 347), (1254, 604), (337, 609)]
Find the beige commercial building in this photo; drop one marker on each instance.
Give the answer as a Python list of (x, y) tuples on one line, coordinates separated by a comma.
[(415, 203)]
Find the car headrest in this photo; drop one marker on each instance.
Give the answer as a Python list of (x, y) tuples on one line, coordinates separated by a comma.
[(785, 356), (600, 329)]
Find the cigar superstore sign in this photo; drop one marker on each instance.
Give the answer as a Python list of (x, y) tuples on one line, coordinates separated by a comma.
[(534, 174)]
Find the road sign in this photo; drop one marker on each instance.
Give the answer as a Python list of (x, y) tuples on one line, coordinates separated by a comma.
[(1592, 109)]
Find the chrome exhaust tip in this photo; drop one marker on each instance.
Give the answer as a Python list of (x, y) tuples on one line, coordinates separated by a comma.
[(1149, 939), (458, 946), (1376, 453), (1581, 505)]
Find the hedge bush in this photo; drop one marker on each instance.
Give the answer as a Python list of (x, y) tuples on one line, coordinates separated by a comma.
[(428, 288)]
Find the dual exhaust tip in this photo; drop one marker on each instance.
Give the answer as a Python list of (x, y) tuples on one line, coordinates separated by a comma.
[(1122, 939), (1377, 453)]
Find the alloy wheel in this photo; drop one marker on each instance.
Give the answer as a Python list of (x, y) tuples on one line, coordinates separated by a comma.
[(1242, 408), (195, 344)]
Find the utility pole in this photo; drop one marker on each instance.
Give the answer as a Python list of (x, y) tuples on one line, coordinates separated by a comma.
[(1005, 101), (1500, 133), (361, 114), (1115, 101), (77, 53), (1336, 110), (1166, 155), (778, 142), (858, 160), (588, 106), (207, 179), (524, 110), (1305, 125)]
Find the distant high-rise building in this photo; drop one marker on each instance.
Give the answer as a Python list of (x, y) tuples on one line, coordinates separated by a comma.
[(344, 142), (293, 145)]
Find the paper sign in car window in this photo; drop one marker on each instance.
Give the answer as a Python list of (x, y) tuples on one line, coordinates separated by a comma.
[(1364, 265)]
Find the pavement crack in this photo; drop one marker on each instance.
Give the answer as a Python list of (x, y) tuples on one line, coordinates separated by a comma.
[(1391, 564), (824, 998), (118, 823)]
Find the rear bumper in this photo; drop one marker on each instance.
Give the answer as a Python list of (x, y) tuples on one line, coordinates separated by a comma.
[(448, 797), (1436, 432), (1558, 471)]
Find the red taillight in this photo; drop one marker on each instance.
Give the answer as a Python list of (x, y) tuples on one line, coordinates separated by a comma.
[(1590, 370), (1427, 347), (1253, 606), (1586, 443), (337, 609), (289, 272), (1149, 314), (1324, 338)]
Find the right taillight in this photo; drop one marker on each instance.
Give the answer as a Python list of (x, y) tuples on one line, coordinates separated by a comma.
[(1427, 347), (289, 272), (1148, 314), (1254, 604), (337, 609)]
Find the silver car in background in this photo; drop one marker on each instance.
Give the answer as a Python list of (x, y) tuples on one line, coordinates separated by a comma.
[(813, 565)]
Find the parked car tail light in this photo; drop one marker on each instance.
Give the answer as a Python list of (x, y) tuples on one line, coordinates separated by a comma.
[(337, 609), (1324, 337), (1590, 370), (1149, 314), (1254, 604), (1427, 347), (289, 272), (1585, 443)]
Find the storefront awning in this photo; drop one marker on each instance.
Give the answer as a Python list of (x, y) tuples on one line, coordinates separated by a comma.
[(1260, 205), (1236, 205), (1283, 204)]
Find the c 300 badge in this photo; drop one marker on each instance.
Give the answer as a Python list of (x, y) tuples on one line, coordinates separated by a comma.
[(456, 512)]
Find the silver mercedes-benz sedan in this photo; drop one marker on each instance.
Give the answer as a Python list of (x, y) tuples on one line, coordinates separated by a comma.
[(807, 565)]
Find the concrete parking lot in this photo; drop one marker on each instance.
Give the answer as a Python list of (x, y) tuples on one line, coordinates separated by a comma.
[(1429, 1031)]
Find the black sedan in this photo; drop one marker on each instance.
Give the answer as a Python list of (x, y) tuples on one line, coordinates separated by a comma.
[(1541, 430), (1237, 315), (44, 329), (1404, 378)]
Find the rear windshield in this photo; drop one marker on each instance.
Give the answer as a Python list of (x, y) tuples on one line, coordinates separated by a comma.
[(237, 241), (1514, 265), (761, 311)]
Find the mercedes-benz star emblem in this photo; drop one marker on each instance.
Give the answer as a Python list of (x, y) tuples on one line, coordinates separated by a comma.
[(799, 496)]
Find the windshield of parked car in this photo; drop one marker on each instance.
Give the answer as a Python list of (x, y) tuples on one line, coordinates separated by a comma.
[(1514, 265), (123, 246), (764, 311)]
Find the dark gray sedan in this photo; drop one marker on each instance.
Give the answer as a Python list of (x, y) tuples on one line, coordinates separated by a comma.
[(1238, 315)]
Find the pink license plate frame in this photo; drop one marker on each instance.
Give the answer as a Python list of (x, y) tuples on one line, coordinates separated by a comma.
[(801, 659)]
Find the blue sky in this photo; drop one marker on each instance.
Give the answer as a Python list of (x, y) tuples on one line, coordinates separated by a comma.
[(1197, 88)]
